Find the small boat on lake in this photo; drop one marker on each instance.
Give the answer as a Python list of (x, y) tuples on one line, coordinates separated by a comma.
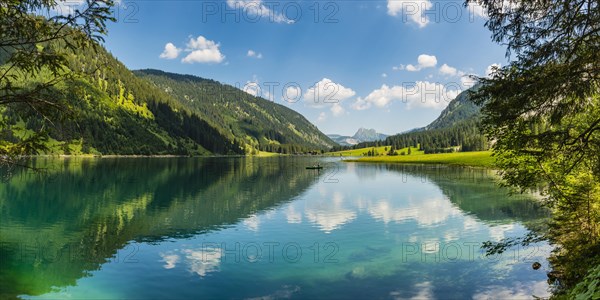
[(315, 167)]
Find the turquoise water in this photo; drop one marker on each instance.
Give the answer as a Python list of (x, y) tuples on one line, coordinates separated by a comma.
[(239, 228)]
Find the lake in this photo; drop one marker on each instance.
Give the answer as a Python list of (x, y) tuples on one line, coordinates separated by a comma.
[(266, 228)]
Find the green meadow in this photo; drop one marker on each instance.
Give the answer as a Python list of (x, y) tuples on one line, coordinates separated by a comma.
[(473, 159), (379, 151)]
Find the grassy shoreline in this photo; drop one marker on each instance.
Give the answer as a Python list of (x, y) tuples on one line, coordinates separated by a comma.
[(261, 154), (380, 150), (472, 159)]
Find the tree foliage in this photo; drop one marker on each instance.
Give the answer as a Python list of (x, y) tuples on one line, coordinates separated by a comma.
[(542, 111), (37, 38)]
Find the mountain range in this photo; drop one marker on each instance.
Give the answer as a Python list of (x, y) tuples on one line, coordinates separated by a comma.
[(362, 135), (456, 128), (113, 110)]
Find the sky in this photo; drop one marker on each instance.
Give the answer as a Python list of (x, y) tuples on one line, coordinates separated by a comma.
[(391, 65)]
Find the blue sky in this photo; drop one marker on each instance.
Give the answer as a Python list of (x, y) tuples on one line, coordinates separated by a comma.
[(390, 65)]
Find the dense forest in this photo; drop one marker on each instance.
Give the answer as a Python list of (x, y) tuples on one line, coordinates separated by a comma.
[(110, 111), (258, 123)]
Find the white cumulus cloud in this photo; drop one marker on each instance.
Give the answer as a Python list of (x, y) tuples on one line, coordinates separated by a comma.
[(467, 82), (448, 70), (410, 9), (423, 61), (257, 10), (252, 53), (170, 52), (382, 97), (292, 94), (252, 88), (203, 50), (399, 68), (337, 110), (361, 104), (327, 92), (412, 68), (422, 94)]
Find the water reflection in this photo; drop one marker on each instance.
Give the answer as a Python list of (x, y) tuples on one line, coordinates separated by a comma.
[(203, 261), (426, 212), (363, 231), (56, 228), (475, 192), (427, 195), (198, 261), (330, 212)]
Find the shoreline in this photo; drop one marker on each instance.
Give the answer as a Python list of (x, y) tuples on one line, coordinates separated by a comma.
[(481, 159), (161, 156)]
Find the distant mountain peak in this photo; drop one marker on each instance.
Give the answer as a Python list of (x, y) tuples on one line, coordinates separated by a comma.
[(368, 135), (363, 130), (361, 135)]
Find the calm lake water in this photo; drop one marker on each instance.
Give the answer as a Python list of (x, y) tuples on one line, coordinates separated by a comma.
[(238, 228)]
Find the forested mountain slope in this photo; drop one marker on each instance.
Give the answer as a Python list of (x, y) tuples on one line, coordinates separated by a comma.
[(258, 122), (459, 109), (106, 109)]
